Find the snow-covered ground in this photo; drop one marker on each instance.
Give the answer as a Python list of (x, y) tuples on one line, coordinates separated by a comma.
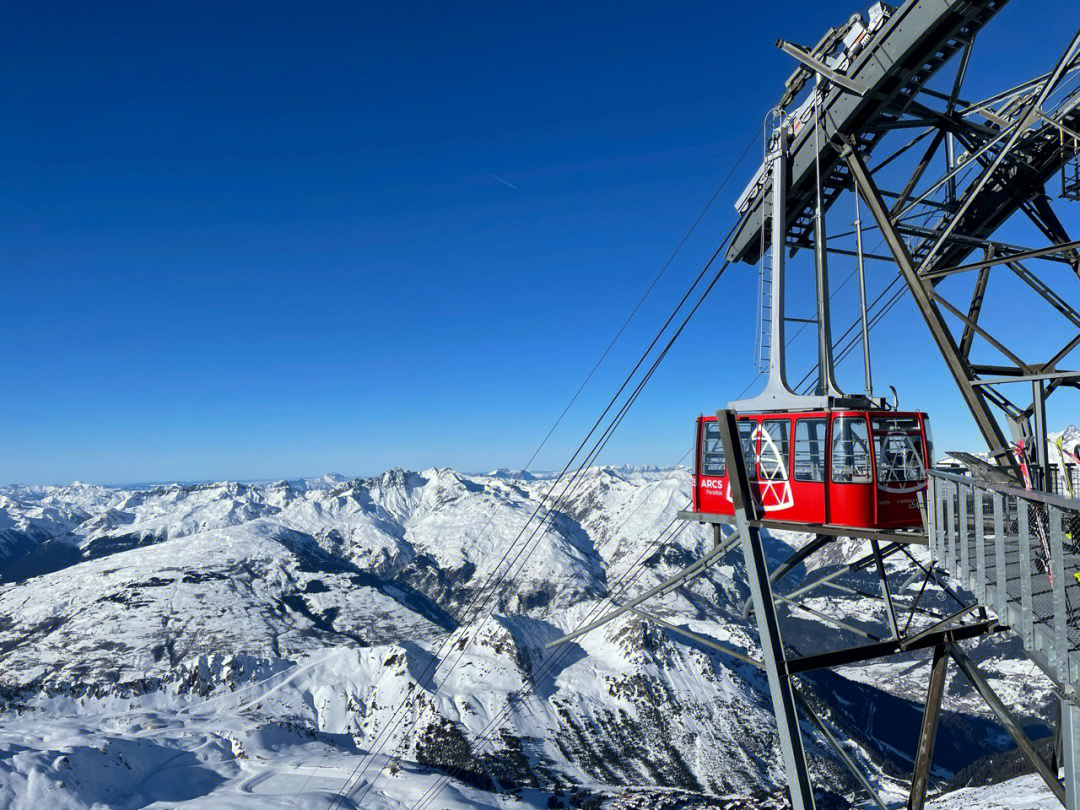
[(230, 644), (1025, 793)]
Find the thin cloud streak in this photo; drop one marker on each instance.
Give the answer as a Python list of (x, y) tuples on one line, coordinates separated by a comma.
[(493, 177)]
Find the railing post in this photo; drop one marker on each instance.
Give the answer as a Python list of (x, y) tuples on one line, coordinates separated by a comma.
[(980, 546), (1070, 748), (1027, 620), (950, 529), (940, 514), (999, 558), (931, 511), (943, 521), (1057, 566), (962, 534)]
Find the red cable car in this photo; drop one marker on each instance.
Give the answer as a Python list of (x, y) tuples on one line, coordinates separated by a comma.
[(857, 468), (823, 458)]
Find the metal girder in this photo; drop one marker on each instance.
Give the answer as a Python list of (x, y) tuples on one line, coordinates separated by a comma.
[(772, 645), (1055, 376), (928, 155), (687, 574), (924, 753), (1034, 253), (825, 617), (845, 757), (974, 310), (1055, 229), (819, 542), (958, 79), (1005, 717), (868, 652), (955, 361), (707, 642), (911, 641), (919, 596), (1065, 350), (1007, 407), (985, 335), (1044, 290), (969, 241), (869, 256), (886, 594)]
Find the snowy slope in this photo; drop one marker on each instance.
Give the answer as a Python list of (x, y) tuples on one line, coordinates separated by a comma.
[(245, 633)]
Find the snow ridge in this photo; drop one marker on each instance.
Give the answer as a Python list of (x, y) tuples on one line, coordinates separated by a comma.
[(244, 628)]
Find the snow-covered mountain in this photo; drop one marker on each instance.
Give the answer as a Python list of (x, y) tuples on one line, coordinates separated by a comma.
[(245, 632), (1070, 442)]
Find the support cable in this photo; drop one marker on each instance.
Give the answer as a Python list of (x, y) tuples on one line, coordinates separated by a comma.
[(533, 540), (422, 802), (548, 665), (436, 660)]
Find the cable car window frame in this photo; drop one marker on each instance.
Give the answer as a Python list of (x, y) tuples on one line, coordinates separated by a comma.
[(748, 439), (808, 441), (928, 439), (710, 432), (779, 461), (839, 424), (910, 473)]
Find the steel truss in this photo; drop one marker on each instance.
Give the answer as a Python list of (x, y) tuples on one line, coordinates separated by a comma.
[(1020, 143), (958, 171), (972, 166), (943, 637), (997, 156), (783, 667)]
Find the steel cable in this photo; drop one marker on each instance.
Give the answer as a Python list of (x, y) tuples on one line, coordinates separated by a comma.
[(437, 660)]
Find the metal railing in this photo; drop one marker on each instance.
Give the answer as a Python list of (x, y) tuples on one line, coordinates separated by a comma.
[(1018, 551)]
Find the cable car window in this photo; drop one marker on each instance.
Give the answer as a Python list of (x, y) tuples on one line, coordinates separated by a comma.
[(749, 445), (850, 451), (899, 452), (775, 450), (891, 424), (810, 450), (712, 450)]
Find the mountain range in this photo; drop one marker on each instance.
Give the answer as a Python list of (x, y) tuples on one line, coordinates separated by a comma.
[(229, 644)]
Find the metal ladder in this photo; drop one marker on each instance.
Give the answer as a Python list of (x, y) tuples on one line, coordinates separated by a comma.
[(763, 344), (1070, 177)]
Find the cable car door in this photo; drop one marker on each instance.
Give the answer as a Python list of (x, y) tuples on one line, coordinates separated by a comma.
[(850, 485)]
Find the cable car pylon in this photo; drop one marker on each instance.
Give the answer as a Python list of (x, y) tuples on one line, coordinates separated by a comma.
[(813, 459)]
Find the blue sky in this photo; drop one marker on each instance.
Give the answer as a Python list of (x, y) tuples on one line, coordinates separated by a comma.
[(280, 239)]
